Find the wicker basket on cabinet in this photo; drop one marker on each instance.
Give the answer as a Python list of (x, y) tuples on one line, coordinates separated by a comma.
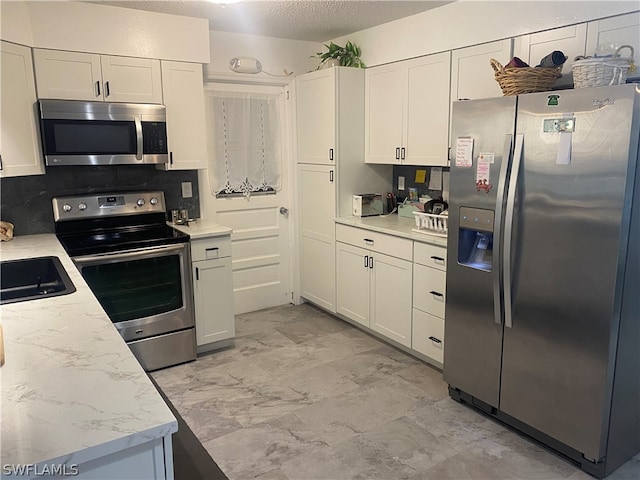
[(602, 71), (518, 80)]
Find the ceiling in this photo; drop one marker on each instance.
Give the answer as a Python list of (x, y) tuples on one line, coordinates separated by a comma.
[(310, 20)]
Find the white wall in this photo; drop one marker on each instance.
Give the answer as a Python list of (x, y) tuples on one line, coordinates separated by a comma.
[(275, 54), (77, 26), (467, 22)]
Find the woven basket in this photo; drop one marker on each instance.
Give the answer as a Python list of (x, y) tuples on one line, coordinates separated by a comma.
[(599, 72), (514, 81)]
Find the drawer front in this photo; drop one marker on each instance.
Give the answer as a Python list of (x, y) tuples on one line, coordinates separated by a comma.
[(427, 335), (210, 248), (430, 255), (429, 286), (376, 242)]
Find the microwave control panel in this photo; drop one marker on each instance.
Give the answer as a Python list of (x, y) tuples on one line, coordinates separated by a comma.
[(154, 136)]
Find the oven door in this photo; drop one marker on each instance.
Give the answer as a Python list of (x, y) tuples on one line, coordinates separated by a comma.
[(145, 292)]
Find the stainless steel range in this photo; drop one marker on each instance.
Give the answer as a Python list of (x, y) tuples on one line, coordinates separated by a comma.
[(138, 268)]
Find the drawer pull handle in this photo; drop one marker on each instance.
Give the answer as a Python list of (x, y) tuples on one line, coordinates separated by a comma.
[(368, 241), (435, 340), (211, 249), (437, 294), (437, 259), (139, 331)]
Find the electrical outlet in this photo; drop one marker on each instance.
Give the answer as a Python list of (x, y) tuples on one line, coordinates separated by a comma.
[(186, 190), (400, 183)]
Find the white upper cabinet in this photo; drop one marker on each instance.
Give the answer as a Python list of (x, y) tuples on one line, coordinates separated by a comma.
[(183, 89), (471, 74), (617, 31), (407, 111), (569, 40), (85, 76), (20, 152), (316, 117)]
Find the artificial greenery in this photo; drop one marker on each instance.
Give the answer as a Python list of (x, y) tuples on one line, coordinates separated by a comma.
[(347, 56)]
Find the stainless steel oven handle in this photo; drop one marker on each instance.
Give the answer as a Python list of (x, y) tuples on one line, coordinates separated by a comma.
[(139, 142), (129, 254)]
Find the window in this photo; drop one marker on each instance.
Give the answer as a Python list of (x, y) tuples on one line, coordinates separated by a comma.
[(244, 136)]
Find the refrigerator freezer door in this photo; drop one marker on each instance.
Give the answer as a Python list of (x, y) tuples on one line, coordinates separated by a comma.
[(474, 338), (557, 358)]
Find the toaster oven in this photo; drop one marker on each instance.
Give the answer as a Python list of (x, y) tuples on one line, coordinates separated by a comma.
[(367, 204)]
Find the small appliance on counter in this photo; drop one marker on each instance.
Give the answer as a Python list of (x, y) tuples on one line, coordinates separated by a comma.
[(367, 205)]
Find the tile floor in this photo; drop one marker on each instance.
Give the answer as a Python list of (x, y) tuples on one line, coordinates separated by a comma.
[(303, 395)]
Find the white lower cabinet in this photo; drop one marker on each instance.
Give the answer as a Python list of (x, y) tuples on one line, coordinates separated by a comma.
[(429, 296), (212, 290), (427, 336), (374, 289)]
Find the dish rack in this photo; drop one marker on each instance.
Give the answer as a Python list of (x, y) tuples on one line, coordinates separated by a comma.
[(431, 224)]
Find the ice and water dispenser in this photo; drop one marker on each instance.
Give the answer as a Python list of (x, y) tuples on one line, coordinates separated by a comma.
[(475, 238)]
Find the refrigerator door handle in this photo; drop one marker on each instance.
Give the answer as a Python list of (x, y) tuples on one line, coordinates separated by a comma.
[(497, 258), (508, 228)]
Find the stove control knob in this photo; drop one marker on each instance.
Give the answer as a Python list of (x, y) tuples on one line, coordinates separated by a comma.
[(140, 202), (82, 206), (66, 207), (153, 201)]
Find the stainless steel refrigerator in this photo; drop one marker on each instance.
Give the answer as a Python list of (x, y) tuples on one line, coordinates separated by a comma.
[(542, 326)]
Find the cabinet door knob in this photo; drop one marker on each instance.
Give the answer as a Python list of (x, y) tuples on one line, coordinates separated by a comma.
[(106, 89), (331, 175), (331, 154), (97, 88), (197, 274), (366, 261), (402, 153), (397, 153)]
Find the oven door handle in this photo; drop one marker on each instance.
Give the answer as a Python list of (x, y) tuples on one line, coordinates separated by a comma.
[(129, 254)]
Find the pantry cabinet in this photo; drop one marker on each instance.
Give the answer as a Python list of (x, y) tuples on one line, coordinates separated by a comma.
[(212, 290), (92, 77), (20, 152), (330, 142), (429, 297), (317, 233), (407, 111), (569, 40), (471, 74), (183, 90), (373, 288)]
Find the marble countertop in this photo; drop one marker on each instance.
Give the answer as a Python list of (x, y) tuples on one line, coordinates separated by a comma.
[(202, 229), (393, 225), (72, 391)]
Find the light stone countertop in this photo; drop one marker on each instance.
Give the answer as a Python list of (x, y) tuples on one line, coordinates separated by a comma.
[(72, 391), (393, 225), (202, 229)]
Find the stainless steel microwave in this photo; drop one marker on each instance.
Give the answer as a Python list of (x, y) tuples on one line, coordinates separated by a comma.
[(101, 133)]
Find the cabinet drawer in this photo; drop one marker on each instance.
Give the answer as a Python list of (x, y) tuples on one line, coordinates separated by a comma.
[(208, 248), (427, 335), (429, 286), (430, 255), (376, 242)]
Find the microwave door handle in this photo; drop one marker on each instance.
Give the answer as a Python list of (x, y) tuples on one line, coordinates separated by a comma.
[(139, 143), (508, 230), (497, 244)]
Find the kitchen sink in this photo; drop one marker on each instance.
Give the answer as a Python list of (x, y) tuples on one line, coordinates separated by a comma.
[(33, 278)]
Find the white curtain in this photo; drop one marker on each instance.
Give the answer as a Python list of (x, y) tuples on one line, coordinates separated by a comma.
[(244, 142)]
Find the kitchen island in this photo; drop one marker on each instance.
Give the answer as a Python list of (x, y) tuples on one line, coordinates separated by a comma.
[(75, 401)]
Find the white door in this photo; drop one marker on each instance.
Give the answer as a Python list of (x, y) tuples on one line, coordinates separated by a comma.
[(68, 75), (135, 80), (261, 240), (352, 282)]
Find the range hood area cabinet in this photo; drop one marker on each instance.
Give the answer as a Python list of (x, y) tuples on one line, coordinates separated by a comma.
[(20, 152), (183, 92), (407, 111), (87, 76), (330, 140)]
